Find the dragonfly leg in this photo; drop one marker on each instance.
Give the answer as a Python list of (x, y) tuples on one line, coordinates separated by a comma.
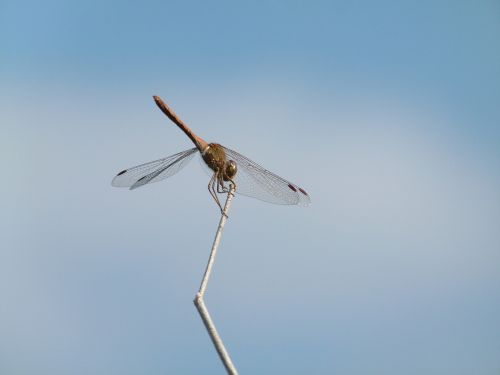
[(218, 181), (233, 185), (213, 192), (210, 189), (220, 185)]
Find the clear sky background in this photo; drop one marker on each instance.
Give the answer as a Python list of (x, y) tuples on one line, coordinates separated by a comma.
[(387, 113)]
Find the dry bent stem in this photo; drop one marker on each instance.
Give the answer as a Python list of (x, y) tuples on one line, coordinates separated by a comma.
[(198, 300)]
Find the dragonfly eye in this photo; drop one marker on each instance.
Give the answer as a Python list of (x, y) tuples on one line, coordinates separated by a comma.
[(230, 169)]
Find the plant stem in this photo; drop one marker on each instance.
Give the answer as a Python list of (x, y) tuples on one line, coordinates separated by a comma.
[(198, 300)]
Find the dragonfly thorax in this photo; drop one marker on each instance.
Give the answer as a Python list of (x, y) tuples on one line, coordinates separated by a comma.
[(215, 157)]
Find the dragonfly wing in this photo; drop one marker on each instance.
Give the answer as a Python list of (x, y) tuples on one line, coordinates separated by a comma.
[(255, 181), (153, 171)]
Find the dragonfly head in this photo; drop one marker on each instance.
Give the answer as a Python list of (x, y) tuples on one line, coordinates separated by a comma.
[(230, 170)]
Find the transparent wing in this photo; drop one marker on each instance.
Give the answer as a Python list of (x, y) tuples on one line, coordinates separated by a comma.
[(153, 171), (255, 181)]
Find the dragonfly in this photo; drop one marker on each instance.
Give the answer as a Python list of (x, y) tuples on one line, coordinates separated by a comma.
[(230, 171)]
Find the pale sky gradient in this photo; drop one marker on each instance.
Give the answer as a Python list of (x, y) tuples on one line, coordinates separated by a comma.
[(387, 113)]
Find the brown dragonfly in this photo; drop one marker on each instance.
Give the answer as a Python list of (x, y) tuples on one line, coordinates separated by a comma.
[(227, 167)]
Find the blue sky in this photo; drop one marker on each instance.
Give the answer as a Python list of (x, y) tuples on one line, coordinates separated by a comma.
[(388, 113)]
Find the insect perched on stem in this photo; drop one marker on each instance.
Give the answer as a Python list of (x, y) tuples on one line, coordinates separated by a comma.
[(228, 167)]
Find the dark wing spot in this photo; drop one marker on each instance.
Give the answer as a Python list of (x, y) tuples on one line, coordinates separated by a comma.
[(142, 178), (303, 191), (292, 187), (122, 172)]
